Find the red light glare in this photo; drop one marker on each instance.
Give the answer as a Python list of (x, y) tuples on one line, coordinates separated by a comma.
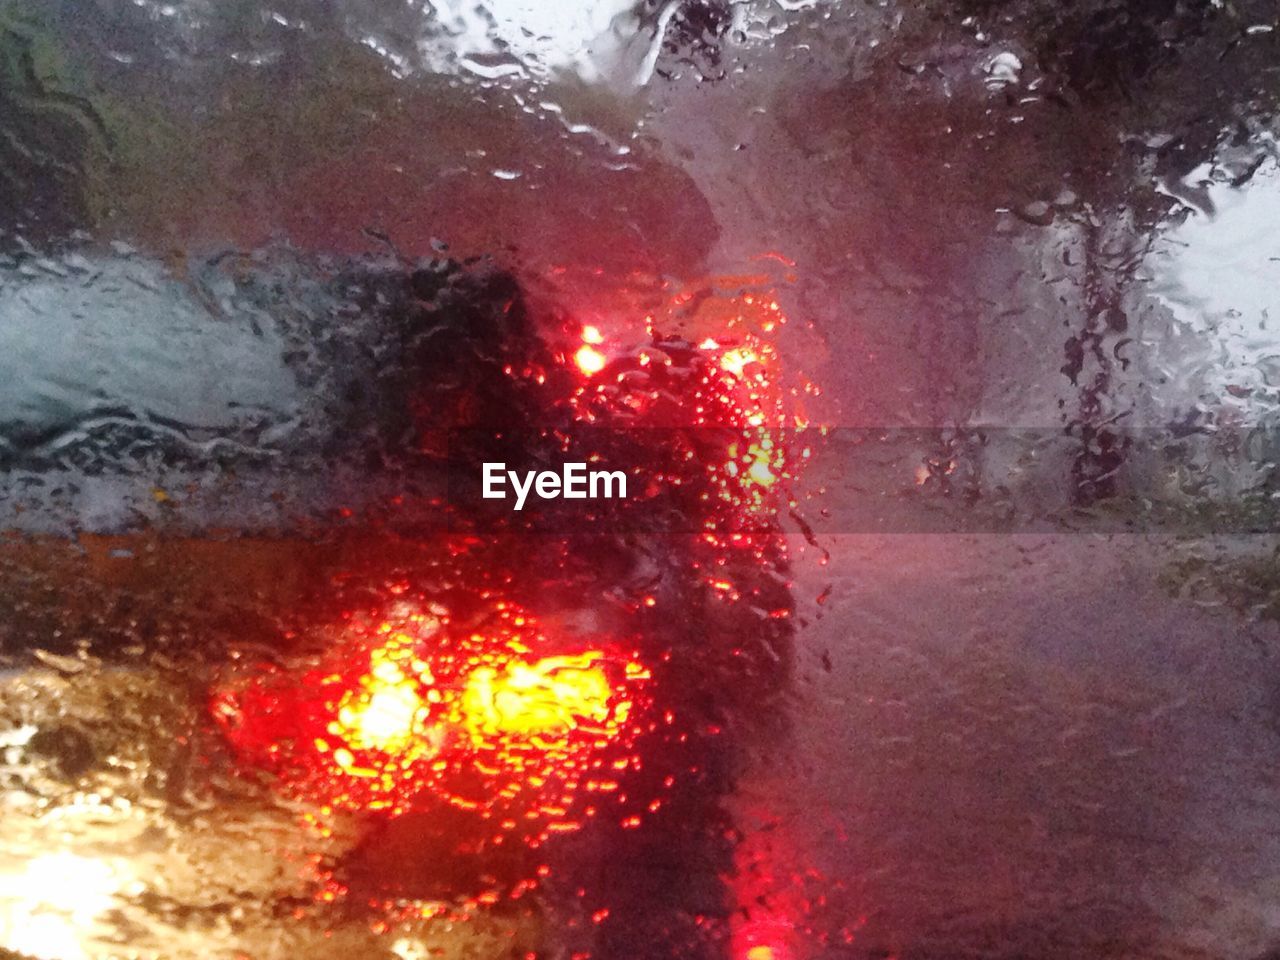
[(706, 362), (478, 720), (764, 939)]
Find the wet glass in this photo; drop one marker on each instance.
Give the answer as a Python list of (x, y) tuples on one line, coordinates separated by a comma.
[(933, 340)]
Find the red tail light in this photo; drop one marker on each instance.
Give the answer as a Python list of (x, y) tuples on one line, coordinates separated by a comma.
[(481, 720)]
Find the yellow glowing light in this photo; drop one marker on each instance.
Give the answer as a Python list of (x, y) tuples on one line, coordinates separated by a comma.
[(760, 463), (760, 470), (552, 695), (592, 335), (737, 360), (589, 359), (385, 712)]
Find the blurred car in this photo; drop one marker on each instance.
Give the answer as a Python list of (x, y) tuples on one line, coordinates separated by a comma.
[(286, 627)]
